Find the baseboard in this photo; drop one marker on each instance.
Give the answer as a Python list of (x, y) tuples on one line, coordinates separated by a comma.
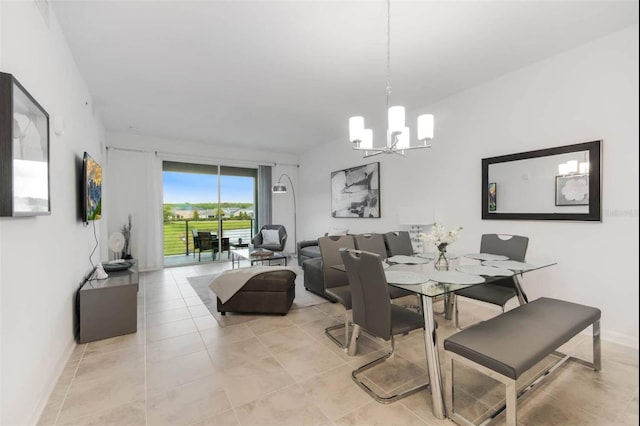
[(620, 339), (52, 381)]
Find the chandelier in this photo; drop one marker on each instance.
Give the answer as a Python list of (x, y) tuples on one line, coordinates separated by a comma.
[(398, 135)]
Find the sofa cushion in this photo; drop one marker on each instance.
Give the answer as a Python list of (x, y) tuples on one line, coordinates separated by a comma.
[(270, 237)]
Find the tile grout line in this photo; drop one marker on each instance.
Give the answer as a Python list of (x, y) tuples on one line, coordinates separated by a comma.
[(73, 378), (146, 382)]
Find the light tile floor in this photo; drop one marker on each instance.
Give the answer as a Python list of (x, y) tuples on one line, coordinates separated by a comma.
[(182, 368)]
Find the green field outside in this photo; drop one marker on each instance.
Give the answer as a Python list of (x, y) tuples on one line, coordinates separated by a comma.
[(178, 232)]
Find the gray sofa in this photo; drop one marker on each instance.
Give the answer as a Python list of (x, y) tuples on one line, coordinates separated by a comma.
[(307, 249)]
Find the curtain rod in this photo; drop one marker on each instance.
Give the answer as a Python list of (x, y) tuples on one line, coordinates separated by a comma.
[(217, 159)]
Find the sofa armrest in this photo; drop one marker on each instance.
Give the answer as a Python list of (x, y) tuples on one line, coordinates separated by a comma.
[(306, 243), (314, 276)]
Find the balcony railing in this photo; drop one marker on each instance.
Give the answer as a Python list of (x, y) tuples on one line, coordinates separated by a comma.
[(178, 234)]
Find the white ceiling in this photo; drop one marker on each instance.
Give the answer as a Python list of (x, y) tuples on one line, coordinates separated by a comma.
[(286, 75)]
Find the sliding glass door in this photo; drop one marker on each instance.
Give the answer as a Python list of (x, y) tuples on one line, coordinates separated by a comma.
[(208, 209)]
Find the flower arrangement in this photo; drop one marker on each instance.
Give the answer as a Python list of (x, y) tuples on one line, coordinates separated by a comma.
[(441, 238)]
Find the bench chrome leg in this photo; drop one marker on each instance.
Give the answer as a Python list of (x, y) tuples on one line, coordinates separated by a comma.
[(511, 402), (597, 360)]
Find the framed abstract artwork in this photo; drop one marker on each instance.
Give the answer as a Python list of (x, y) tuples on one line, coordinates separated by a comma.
[(355, 192)]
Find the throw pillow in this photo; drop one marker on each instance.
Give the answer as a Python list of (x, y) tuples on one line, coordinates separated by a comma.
[(337, 231), (270, 237)]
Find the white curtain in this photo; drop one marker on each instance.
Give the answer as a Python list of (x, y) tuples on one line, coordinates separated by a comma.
[(135, 188)]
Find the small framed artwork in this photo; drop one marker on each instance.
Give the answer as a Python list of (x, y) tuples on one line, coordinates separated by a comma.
[(355, 192), (24, 152), (572, 190), (493, 206)]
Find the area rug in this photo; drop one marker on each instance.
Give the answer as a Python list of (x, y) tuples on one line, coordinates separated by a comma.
[(201, 283)]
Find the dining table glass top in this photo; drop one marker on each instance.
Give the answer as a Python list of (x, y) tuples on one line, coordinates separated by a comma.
[(423, 279)]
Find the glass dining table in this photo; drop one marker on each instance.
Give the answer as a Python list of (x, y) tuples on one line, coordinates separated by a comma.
[(474, 269)]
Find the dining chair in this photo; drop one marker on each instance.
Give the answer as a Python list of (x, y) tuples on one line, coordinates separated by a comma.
[(374, 313), (374, 243), (196, 241), (336, 282), (398, 243), (206, 242), (497, 292)]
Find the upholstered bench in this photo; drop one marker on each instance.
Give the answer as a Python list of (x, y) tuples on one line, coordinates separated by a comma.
[(506, 346), (270, 292)]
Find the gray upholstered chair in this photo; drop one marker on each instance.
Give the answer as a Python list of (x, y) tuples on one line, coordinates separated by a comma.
[(259, 240), (501, 291), (374, 243), (398, 243), (374, 313), (336, 283)]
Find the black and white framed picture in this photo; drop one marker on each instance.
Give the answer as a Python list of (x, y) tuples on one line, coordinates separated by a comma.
[(355, 192), (572, 190)]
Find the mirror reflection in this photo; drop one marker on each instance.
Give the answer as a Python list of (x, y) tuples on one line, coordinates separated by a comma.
[(556, 183)]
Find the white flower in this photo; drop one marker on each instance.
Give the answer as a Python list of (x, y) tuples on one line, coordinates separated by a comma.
[(441, 237)]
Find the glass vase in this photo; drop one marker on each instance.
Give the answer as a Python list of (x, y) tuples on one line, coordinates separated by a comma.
[(442, 263)]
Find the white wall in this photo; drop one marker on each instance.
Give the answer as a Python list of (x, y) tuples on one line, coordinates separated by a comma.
[(43, 260), (585, 94), (282, 206)]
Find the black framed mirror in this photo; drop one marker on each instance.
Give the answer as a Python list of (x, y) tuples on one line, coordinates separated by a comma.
[(560, 183), (24, 152)]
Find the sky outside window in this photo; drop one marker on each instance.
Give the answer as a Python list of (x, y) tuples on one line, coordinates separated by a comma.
[(202, 188)]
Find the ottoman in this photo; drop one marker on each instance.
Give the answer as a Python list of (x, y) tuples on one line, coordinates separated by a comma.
[(267, 293)]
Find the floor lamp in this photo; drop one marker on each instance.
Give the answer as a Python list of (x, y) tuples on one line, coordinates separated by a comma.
[(281, 188)]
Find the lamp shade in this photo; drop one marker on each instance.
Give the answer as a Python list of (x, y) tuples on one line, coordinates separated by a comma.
[(367, 139), (279, 188), (356, 127), (404, 139), (396, 119), (425, 127)]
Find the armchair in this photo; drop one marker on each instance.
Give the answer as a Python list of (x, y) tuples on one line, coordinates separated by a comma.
[(267, 239)]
